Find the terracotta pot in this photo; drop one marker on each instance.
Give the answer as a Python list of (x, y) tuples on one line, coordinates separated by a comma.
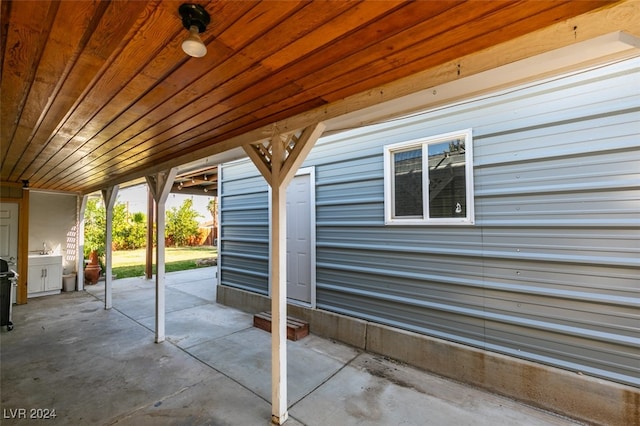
[(92, 270)]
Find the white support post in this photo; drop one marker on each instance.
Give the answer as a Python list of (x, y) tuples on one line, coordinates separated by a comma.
[(160, 186), (82, 206), (148, 263), (278, 291), (160, 273), (278, 163), (109, 195)]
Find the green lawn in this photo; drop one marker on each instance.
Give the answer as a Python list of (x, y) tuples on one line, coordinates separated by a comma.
[(130, 263)]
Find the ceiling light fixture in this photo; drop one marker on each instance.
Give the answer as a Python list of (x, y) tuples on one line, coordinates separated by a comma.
[(195, 19)]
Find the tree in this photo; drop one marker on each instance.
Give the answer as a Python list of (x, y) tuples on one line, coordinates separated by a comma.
[(120, 226), (213, 209), (181, 224), (94, 227), (129, 231), (137, 237)]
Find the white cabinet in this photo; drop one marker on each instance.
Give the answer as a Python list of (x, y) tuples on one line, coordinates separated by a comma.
[(45, 275)]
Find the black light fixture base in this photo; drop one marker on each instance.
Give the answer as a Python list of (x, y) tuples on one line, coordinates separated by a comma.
[(194, 14)]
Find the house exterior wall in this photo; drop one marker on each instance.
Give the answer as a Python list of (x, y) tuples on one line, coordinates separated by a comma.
[(53, 221), (548, 272)]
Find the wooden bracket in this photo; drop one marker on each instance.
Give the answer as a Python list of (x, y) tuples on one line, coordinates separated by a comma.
[(160, 184), (283, 153)]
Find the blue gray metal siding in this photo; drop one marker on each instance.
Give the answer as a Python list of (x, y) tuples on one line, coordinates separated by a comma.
[(244, 228), (550, 272)]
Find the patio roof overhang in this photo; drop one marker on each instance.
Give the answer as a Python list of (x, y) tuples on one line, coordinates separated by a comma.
[(98, 94)]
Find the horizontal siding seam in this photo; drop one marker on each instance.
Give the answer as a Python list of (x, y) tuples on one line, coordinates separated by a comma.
[(564, 188), (492, 316), (352, 200), (632, 302), (241, 255), (243, 271), (490, 254), (549, 124), (558, 223), (351, 178), (349, 223), (254, 239)]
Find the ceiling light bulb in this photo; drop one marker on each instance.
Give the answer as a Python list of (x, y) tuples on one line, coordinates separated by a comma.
[(193, 45)]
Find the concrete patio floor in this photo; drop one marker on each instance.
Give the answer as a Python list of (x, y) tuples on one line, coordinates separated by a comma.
[(102, 367)]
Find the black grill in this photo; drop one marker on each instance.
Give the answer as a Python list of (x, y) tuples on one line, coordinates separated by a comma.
[(4, 270), (6, 283)]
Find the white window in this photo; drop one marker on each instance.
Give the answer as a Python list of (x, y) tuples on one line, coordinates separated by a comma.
[(429, 181)]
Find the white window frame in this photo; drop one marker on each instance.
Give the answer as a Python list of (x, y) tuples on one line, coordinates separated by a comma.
[(389, 200)]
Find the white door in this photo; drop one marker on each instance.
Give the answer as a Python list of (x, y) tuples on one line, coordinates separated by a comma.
[(301, 238), (9, 236)]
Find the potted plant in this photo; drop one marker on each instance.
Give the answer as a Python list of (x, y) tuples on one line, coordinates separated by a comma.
[(94, 239), (92, 270)]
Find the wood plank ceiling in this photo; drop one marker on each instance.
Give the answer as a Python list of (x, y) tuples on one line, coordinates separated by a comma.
[(96, 92)]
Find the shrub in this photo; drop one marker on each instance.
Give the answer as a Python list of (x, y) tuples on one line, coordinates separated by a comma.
[(181, 225)]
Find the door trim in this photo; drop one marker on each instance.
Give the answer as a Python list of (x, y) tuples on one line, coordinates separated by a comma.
[(23, 236)]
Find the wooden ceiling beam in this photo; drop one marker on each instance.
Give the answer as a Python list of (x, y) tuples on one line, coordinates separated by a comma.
[(160, 62), (286, 97), (119, 97), (25, 28), (198, 191), (160, 103), (465, 43), (620, 16), (476, 30), (102, 36), (446, 45), (125, 64), (208, 101)]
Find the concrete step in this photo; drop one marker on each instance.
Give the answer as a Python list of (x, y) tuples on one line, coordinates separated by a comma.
[(296, 328)]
